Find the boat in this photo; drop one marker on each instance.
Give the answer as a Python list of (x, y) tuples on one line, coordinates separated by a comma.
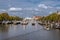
[(9, 22), (24, 23), (47, 28), (16, 22), (3, 22), (57, 27), (33, 23)]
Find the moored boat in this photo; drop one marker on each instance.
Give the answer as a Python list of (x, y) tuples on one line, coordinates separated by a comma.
[(33, 23), (24, 22)]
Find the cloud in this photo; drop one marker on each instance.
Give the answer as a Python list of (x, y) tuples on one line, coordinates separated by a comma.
[(58, 7), (27, 8), (50, 12), (21, 9), (36, 9), (15, 9), (3, 10), (44, 6)]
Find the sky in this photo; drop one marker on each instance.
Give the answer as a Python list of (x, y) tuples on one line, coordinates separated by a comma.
[(29, 7)]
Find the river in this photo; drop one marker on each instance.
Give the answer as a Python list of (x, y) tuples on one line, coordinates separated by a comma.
[(27, 32)]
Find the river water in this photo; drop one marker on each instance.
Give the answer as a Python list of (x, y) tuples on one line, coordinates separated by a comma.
[(27, 32)]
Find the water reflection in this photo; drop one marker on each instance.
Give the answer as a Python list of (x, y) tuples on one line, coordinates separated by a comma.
[(4, 28), (15, 30), (15, 27), (7, 31), (24, 27)]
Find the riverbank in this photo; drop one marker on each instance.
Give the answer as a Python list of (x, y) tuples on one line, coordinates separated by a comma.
[(50, 25)]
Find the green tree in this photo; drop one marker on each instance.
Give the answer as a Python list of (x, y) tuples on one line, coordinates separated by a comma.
[(4, 16), (15, 18), (52, 17)]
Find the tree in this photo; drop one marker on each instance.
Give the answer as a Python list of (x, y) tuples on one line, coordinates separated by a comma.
[(51, 17), (15, 18), (1, 18), (4, 16)]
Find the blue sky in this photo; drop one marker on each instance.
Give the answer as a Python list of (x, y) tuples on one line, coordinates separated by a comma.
[(32, 7), (28, 3)]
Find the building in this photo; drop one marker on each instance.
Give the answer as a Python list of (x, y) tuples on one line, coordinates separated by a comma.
[(27, 18), (36, 17), (59, 13)]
